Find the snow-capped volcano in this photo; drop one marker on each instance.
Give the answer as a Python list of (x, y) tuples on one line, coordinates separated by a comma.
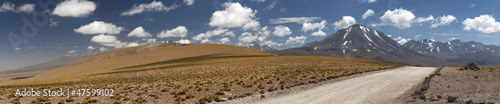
[(359, 39), (363, 42)]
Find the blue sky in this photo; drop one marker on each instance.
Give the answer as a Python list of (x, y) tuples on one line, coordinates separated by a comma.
[(112, 24)]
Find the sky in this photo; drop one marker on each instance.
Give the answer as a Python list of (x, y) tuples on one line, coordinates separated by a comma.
[(36, 31)]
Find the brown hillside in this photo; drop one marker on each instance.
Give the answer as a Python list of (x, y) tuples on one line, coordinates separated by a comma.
[(145, 55)]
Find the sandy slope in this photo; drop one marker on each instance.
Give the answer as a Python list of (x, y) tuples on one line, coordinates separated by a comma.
[(381, 87)]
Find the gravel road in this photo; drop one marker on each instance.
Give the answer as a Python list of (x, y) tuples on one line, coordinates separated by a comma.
[(381, 87)]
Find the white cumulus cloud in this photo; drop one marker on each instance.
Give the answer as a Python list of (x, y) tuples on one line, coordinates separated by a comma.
[(297, 39), (184, 41), (155, 6), (90, 48), (424, 19), (224, 40), (139, 32), (99, 27), (312, 26), (368, 13), (205, 41), (103, 49), (299, 20), (10, 7), (483, 23), (132, 44), (443, 20), (346, 21), (107, 40), (318, 33), (212, 33), (179, 31), (281, 31), (74, 8), (400, 18), (189, 2), (235, 15)]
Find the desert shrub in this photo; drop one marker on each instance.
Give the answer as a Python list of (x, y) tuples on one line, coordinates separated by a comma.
[(180, 98), (139, 100), (269, 82), (215, 97), (69, 99), (219, 92), (190, 95), (11, 96), (61, 102)]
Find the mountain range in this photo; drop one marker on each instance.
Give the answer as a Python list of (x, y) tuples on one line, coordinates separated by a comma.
[(362, 42), (70, 57), (457, 51)]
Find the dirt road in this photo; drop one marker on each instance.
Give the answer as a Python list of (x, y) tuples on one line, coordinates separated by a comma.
[(381, 87)]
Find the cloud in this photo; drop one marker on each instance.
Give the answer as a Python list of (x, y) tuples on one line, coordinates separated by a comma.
[(453, 38), (318, 33), (103, 49), (368, 1), (297, 39), (259, 1), (312, 26), (155, 6), (53, 22), (212, 33), (107, 40), (234, 15), (368, 13), (30, 48), (132, 44), (444, 34), (472, 5), (298, 20), (139, 32), (417, 36), (189, 2), (400, 18), (247, 37), (151, 40), (10, 7), (345, 22), (184, 41), (90, 48), (271, 6), (401, 40), (179, 31), (283, 9), (205, 40), (224, 40), (99, 27), (281, 31), (74, 8), (443, 20), (271, 43), (483, 23), (27, 8), (423, 19)]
